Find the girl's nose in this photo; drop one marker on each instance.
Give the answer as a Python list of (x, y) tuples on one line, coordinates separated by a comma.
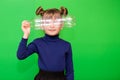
[(52, 25)]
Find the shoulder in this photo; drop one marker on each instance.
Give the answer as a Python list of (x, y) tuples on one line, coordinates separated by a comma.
[(65, 42), (37, 40), (66, 45)]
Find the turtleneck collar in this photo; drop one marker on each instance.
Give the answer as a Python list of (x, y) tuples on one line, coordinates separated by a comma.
[(51, 38)]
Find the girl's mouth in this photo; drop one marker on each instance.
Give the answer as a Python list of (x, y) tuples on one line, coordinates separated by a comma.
[(52, 30)]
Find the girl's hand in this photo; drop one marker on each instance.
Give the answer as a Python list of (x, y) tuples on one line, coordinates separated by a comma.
[(26, 29)]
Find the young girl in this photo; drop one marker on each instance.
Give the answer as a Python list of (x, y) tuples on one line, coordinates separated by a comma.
[(54, 54)]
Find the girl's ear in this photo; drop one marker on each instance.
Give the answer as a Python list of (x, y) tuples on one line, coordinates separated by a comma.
[(40, 11), (42, 27), (62, 24), (61, 27)]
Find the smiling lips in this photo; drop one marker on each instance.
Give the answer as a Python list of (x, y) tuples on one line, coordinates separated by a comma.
[(52, 30)]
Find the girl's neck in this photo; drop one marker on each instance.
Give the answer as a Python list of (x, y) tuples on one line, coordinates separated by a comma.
[(51, 38)]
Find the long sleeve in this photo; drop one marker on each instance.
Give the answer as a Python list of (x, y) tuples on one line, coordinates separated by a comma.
[(24, 50), (69, 65)]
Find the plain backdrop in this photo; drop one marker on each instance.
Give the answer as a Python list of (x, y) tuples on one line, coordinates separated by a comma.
[(95, 38)]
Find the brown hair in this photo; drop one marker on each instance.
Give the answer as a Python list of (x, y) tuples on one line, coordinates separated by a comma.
[(50, 12)]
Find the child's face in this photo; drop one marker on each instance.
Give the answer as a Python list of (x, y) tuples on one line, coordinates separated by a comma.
[(52, 26)]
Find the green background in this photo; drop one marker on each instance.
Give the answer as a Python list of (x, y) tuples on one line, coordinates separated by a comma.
[(95, 39)]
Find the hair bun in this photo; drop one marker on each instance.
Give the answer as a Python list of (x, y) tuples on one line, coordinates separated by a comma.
[(39, 11), (63, 11)]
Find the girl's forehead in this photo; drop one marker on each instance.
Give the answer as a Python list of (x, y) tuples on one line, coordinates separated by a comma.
[(52, 16)]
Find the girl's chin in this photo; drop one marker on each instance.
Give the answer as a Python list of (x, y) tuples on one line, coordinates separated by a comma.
[(52, 34)]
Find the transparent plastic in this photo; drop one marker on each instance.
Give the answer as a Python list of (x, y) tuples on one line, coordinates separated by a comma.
[(38, 23)]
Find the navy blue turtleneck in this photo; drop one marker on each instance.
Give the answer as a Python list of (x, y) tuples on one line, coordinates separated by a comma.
[(54, 54)]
